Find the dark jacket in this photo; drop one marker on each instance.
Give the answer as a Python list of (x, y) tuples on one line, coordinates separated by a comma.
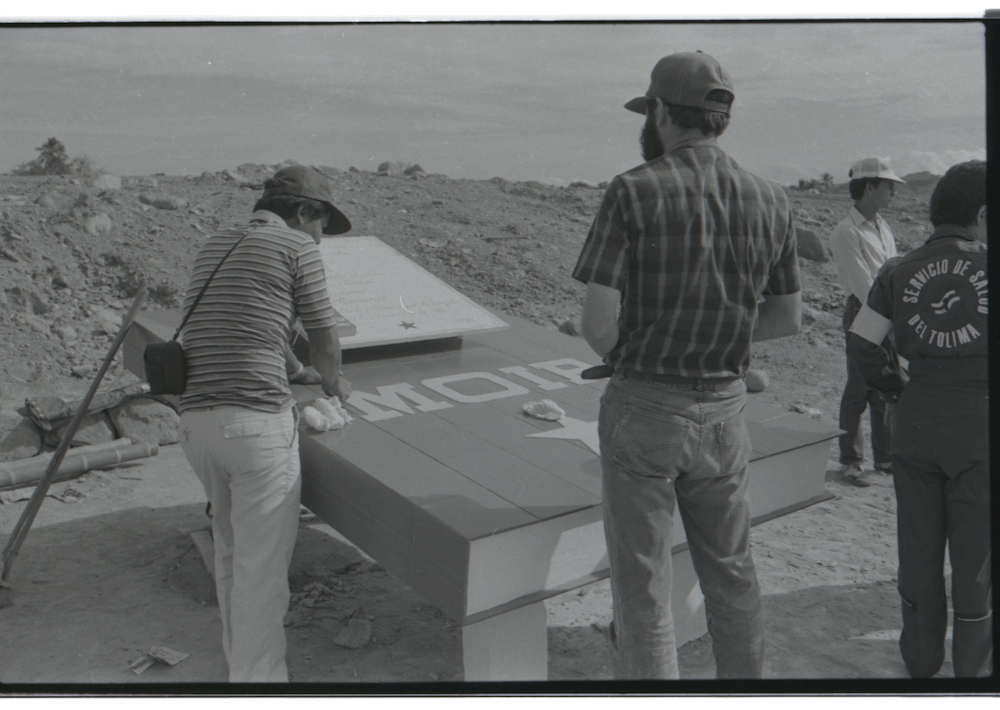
[(937, 301)]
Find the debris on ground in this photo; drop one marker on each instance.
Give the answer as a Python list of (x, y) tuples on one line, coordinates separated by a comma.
[(157, 654), (357, 633), (545, 409)]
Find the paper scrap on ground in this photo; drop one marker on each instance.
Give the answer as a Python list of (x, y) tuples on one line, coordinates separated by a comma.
[(545, 409), (326, 414), (805, 409), (157, 654)]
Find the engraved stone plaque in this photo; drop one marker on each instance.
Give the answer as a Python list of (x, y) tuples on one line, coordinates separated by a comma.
[(390, 299)]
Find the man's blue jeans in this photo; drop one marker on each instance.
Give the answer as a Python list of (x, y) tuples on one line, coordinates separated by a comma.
[(689, 442)]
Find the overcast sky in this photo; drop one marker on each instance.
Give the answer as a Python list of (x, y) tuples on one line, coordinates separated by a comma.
[(523, 101)]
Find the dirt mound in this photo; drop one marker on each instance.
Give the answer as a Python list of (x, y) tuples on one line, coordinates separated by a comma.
[(72, 256)]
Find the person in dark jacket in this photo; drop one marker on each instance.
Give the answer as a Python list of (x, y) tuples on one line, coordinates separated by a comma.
[(935, 301)]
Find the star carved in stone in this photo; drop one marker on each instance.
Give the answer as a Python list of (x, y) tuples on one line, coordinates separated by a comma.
[(574, 429), (407, 326)]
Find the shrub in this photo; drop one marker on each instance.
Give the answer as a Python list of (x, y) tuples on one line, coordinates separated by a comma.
[(53, 160)]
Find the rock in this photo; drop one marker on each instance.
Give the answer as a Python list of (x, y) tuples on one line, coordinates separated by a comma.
[(811, 246), (570, 326), (107, 181), (757, 380), (107, 321), (93, 429), (415, 170), (297, 618), (82, 371), (37, 324), (38, 302), (809, 315), (395, 167), (149, 182), (97, 224), (48, 201), (236, 177), (353, 169), (65, 332), (163, 202), (357, 633), (146, 421), (23, 442), (9, 419), (69, 276)]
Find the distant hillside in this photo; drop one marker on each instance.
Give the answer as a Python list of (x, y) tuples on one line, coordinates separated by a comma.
[(920, 179)]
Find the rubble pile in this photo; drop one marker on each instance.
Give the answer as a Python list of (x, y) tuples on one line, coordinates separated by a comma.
[(73, 252)]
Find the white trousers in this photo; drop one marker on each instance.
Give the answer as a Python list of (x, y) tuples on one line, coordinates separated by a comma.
[(248, 462)]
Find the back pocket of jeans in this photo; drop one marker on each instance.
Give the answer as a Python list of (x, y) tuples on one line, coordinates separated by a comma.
[(244, 429), (733, 439), (652, 443)]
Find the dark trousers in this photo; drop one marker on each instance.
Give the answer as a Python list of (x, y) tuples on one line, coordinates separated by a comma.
[(856, 398), (940, 456)]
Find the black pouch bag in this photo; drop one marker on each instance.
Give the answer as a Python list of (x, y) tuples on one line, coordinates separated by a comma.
[(166, 367), (165, 363)]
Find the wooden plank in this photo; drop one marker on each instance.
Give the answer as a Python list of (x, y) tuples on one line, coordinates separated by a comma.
[(509, 647), (803, 429), (478, 514), (542, 556), (767, 442), (523, 484), (782, 480), (443, 586), (512, 520), (206, 549)]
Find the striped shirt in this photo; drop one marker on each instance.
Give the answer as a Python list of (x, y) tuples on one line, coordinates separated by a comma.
[(234, 341), (692, 241)]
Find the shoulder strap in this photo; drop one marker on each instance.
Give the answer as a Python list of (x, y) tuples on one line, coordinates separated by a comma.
[(202, 292)]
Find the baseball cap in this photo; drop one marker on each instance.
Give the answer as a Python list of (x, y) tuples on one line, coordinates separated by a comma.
[(873, 168), (684, 79), (303, 181)]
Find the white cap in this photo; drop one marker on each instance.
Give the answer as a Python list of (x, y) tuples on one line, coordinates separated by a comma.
[(873, 168)]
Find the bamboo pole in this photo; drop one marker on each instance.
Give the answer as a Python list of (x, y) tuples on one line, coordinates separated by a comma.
[(31, 510), (73, 465)]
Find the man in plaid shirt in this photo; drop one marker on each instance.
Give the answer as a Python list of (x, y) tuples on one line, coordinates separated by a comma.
[(701, 258)]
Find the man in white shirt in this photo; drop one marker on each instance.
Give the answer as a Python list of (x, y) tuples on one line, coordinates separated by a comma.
[(861, 243)]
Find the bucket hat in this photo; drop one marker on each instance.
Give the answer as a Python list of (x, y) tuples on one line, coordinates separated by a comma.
[(303, 181)]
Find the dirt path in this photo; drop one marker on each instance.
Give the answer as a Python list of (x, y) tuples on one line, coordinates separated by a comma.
[(101, 581)]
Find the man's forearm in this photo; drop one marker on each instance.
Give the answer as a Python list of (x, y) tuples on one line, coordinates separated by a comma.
[(602, 343), (599, 322), (292, 364), (778, 317), (324, 353)]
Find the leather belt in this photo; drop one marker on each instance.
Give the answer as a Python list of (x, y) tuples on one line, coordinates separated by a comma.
[(676, 379)]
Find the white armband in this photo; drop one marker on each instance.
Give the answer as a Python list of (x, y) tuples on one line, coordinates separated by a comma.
[(871, 325)]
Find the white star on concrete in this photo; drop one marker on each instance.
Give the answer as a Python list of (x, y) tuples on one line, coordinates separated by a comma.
[(574, 429)]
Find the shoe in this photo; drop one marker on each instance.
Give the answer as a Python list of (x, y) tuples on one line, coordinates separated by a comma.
[(855, 475), (884, 468)]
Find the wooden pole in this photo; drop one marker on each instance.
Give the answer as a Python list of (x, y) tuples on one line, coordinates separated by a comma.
[(28, 516), (74, 464)]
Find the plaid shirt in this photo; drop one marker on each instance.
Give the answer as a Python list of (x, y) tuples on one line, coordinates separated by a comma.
[(692, 241)]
